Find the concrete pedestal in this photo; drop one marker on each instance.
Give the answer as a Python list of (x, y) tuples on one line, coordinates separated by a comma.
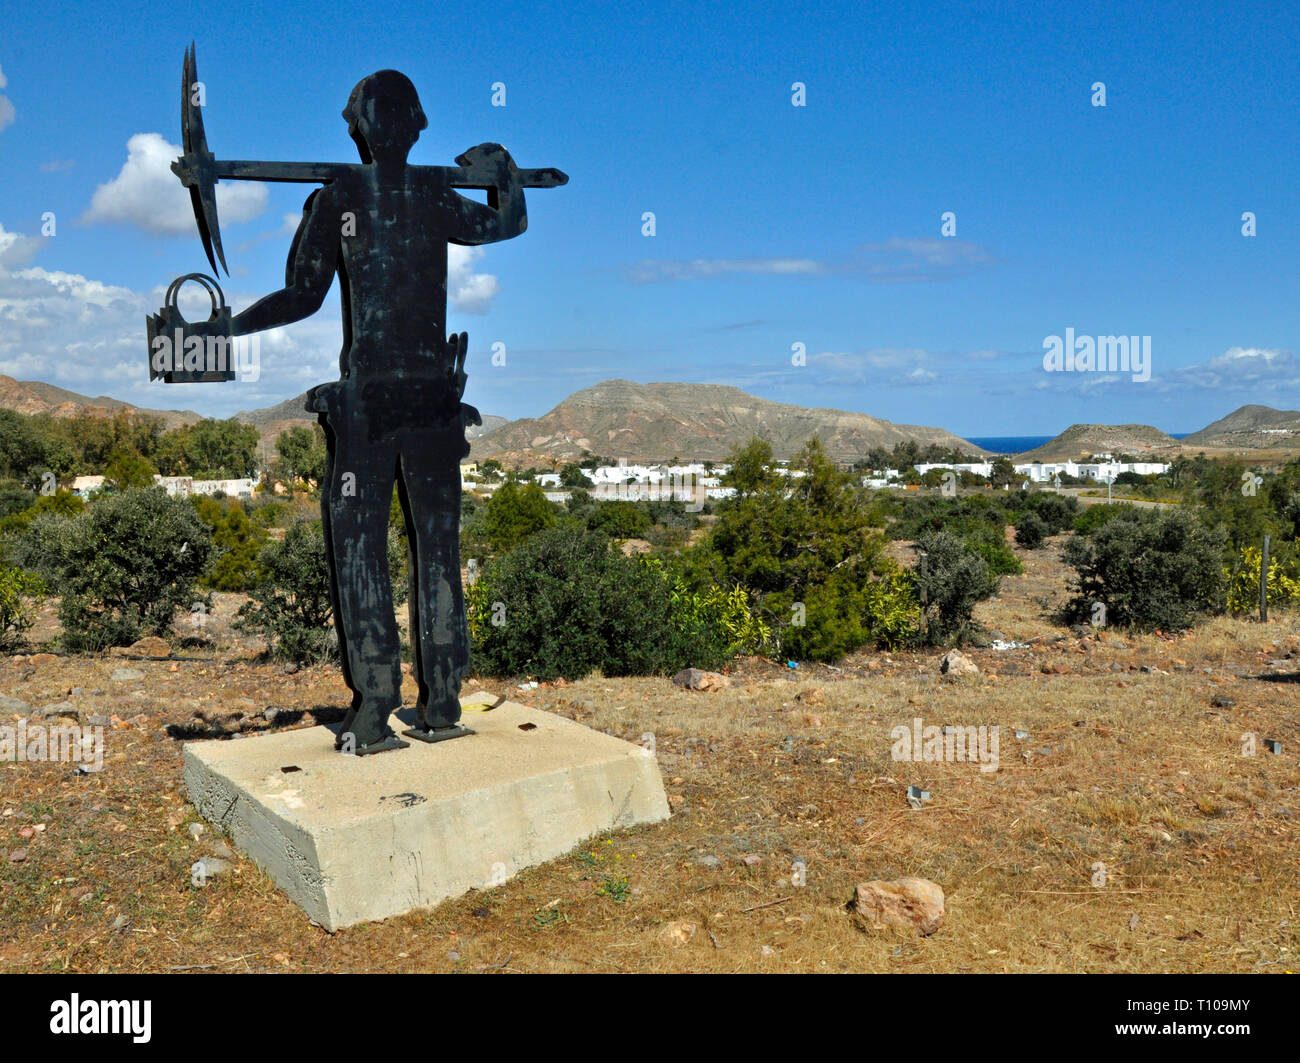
[(352, 839)]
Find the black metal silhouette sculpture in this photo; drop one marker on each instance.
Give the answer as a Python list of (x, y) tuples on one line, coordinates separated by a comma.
[(396, 414)]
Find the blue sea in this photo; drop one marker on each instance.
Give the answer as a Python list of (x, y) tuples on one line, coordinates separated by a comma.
[(1019, 444)]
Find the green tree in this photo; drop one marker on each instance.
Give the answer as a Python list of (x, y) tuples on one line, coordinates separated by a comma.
[(238, 542), (808, 549), (571, 475), (127, 469), (209, 450), (513, 513), (302, 452)]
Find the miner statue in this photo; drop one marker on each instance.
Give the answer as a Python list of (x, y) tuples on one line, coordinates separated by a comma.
[(396, 414)]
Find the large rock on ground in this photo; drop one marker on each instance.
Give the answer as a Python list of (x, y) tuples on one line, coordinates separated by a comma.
[(914, 902), (152, 646), (956, 663), (696, 679)]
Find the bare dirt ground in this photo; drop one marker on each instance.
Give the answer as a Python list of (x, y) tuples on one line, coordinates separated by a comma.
[(1132, 766)]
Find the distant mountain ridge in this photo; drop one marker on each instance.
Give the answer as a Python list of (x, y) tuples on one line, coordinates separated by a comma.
[(35, 397), (657, 422)]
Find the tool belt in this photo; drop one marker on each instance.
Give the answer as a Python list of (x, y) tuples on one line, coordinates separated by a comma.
[(389, 407)]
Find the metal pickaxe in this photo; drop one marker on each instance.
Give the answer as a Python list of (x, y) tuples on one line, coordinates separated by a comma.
[(199, 170)]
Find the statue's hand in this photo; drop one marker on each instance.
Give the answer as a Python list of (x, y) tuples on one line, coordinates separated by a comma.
[(492, 160)]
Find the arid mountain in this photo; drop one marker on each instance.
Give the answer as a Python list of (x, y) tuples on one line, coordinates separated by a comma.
[(1251, 427), (656, 422), (34, 396), (1082, 440)]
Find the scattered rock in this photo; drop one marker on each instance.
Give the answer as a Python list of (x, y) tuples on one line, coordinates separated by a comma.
[(751, 859), (126, 675), (767, 950), (708, 860), (18, 856), (222, 851), (678, 933), (14, 705), (696, 679), (815, 696), (197, 830), (956, 663), (208, 866), (61, 708), (290, 668), (42, 658), (152, 646), (120, 922), (1222, 701), (916, 902)]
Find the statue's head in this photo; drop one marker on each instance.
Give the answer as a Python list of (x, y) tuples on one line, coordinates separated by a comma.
[(384, 116)]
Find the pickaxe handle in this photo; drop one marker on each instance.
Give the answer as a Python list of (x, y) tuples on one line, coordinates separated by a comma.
[(323, 172)]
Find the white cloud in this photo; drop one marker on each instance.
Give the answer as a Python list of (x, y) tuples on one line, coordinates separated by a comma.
[(1255, 369), (467, 291), (652, 269), (148, 195), (16, 249), (7, 111), (900, 259)]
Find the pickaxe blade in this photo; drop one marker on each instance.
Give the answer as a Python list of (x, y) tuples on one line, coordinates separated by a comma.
[(197, 167)]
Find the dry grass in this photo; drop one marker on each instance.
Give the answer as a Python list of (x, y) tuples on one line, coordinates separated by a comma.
[(1129, 772)]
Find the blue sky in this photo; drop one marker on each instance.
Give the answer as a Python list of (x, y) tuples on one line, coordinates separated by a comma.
[(775, 224)]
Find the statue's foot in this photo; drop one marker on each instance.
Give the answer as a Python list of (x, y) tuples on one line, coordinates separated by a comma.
[(438, 734), (379, 745)]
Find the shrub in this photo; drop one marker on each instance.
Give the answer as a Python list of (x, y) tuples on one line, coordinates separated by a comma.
[(618, 520), (565, 603), (238, 543), (15, 616), (122, 568), (990, 543), (1150, 569), (1030, 531), (1057, 512), (1093, 517), (290, 607), (1243, 581), (808, 549), (513, 513), (950, 578)]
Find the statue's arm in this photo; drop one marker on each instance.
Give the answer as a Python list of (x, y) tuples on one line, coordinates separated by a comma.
[(308, 274), (505, 215)]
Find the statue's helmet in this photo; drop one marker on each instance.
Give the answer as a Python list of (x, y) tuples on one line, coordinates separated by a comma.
[(384, 110)]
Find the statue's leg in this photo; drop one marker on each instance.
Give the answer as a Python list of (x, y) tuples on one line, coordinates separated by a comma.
[(430, 486), (358, 494), (330, 561)]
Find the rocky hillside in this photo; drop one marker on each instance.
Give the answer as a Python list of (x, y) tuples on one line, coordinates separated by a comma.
[(1250, 427), (34, 396), (620, 419), (1081, 440)]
